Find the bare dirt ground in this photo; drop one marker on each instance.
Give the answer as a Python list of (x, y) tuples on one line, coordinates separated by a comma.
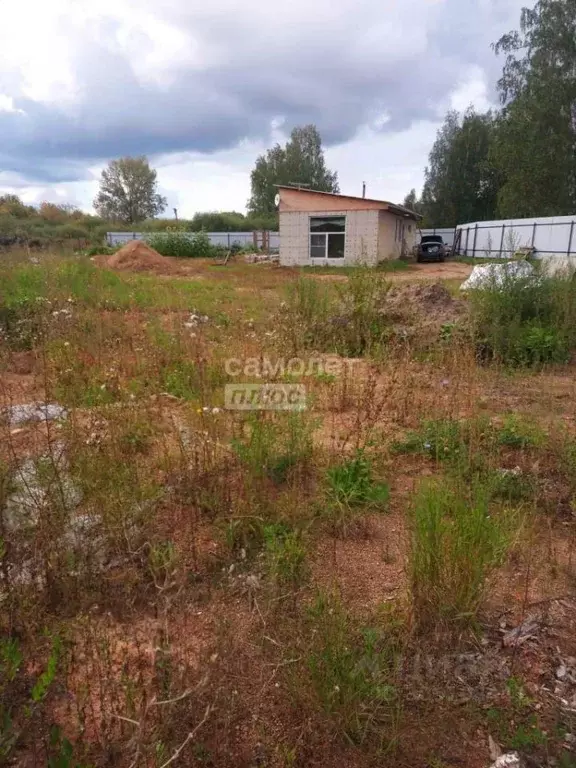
[(415, 272), (194, 606)]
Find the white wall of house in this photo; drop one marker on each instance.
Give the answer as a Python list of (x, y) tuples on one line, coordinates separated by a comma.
[(361, 245), (395, 233)]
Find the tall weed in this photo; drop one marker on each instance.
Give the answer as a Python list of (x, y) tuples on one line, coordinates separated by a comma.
[(351, 670), (458, 538), (525, 321), (348, 320)]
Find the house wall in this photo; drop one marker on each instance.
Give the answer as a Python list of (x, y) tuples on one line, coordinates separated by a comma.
[(361, 236), (389, 245)]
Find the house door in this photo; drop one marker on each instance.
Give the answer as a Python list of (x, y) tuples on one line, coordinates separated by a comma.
[(327, 240)]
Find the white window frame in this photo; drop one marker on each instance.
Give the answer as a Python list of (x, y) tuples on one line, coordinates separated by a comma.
[(326, 234)]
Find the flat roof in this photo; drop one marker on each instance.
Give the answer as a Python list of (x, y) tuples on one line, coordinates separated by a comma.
[(389, 206)]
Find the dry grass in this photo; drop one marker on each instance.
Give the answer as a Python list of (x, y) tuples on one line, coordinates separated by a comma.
[(187, 585)]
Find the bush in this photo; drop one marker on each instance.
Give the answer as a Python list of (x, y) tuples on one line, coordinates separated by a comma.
[(182, 244), (525, 321)]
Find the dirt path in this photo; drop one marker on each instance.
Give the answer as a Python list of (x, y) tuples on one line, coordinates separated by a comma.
[(446, 271)]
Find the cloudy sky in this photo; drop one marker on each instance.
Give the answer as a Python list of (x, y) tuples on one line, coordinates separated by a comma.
[(203, 87)]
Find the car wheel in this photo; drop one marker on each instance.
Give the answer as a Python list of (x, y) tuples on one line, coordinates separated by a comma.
[(441, 258)]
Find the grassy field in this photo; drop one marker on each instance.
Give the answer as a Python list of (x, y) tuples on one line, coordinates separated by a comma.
[(185, 584)]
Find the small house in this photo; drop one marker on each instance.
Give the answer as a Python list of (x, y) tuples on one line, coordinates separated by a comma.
[(326, 229)]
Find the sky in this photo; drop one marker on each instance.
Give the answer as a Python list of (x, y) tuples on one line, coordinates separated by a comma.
[(202, 88)]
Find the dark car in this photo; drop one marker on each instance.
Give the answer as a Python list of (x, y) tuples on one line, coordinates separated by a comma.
[(431, 248)]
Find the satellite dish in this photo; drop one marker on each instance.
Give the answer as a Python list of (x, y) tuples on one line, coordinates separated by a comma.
[(277, 201)]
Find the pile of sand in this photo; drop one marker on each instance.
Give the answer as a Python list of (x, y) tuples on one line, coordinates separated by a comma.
[(137, 256)]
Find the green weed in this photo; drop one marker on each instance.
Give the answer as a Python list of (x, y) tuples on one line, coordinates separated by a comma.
[(458, 538), (348, 319), (518, 433), (441, 439), (285, 556), (516, 726), (525, 321), (352, 492), (182, 244), (351, 671), (274, 447)]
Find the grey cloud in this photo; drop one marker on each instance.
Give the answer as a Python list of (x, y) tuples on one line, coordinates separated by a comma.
[(335, 79)]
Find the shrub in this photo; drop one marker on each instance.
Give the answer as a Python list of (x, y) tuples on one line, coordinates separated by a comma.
[(458, 538), (525, 321), (182, 244)]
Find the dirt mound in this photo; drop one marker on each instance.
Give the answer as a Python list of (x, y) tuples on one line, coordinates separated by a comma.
[(137, 256), (433, 300)]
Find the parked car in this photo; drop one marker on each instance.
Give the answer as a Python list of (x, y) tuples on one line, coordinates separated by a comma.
[(431, 248)]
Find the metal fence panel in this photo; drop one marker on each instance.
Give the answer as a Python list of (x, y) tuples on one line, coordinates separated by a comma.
[(553, 238), (226, 239)]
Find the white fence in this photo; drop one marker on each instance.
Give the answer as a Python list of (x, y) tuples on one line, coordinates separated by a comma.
[(226, 239), (553, 238)]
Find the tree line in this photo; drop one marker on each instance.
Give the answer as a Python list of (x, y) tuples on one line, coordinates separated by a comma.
[(518, 161)]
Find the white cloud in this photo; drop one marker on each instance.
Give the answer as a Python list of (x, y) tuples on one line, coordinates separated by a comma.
[(203, 88)]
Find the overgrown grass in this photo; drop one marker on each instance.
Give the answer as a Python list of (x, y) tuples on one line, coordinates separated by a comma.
[(525, 321), (346, 318), (352, 492), (458, 539), (24, 286), (352, 673), (390, 265), (275, 447)]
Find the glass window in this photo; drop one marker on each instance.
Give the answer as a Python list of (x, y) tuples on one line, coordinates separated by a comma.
[(318, 251), (328, 224), (336, 244), (327, 237)]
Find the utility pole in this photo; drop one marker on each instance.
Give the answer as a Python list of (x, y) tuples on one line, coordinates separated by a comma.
[(363, 189)]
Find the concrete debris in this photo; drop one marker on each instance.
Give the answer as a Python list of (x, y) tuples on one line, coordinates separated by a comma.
[(508, 760), (521, 633), (261, 258), (39, 485), (493, 749), (497, 275), (195, 320), (19, 414)]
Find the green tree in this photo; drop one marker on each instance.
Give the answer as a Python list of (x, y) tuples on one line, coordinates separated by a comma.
[(128, 191), (412, 202), (300, 161), (461, 183), (11, 205), (535, 146)]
